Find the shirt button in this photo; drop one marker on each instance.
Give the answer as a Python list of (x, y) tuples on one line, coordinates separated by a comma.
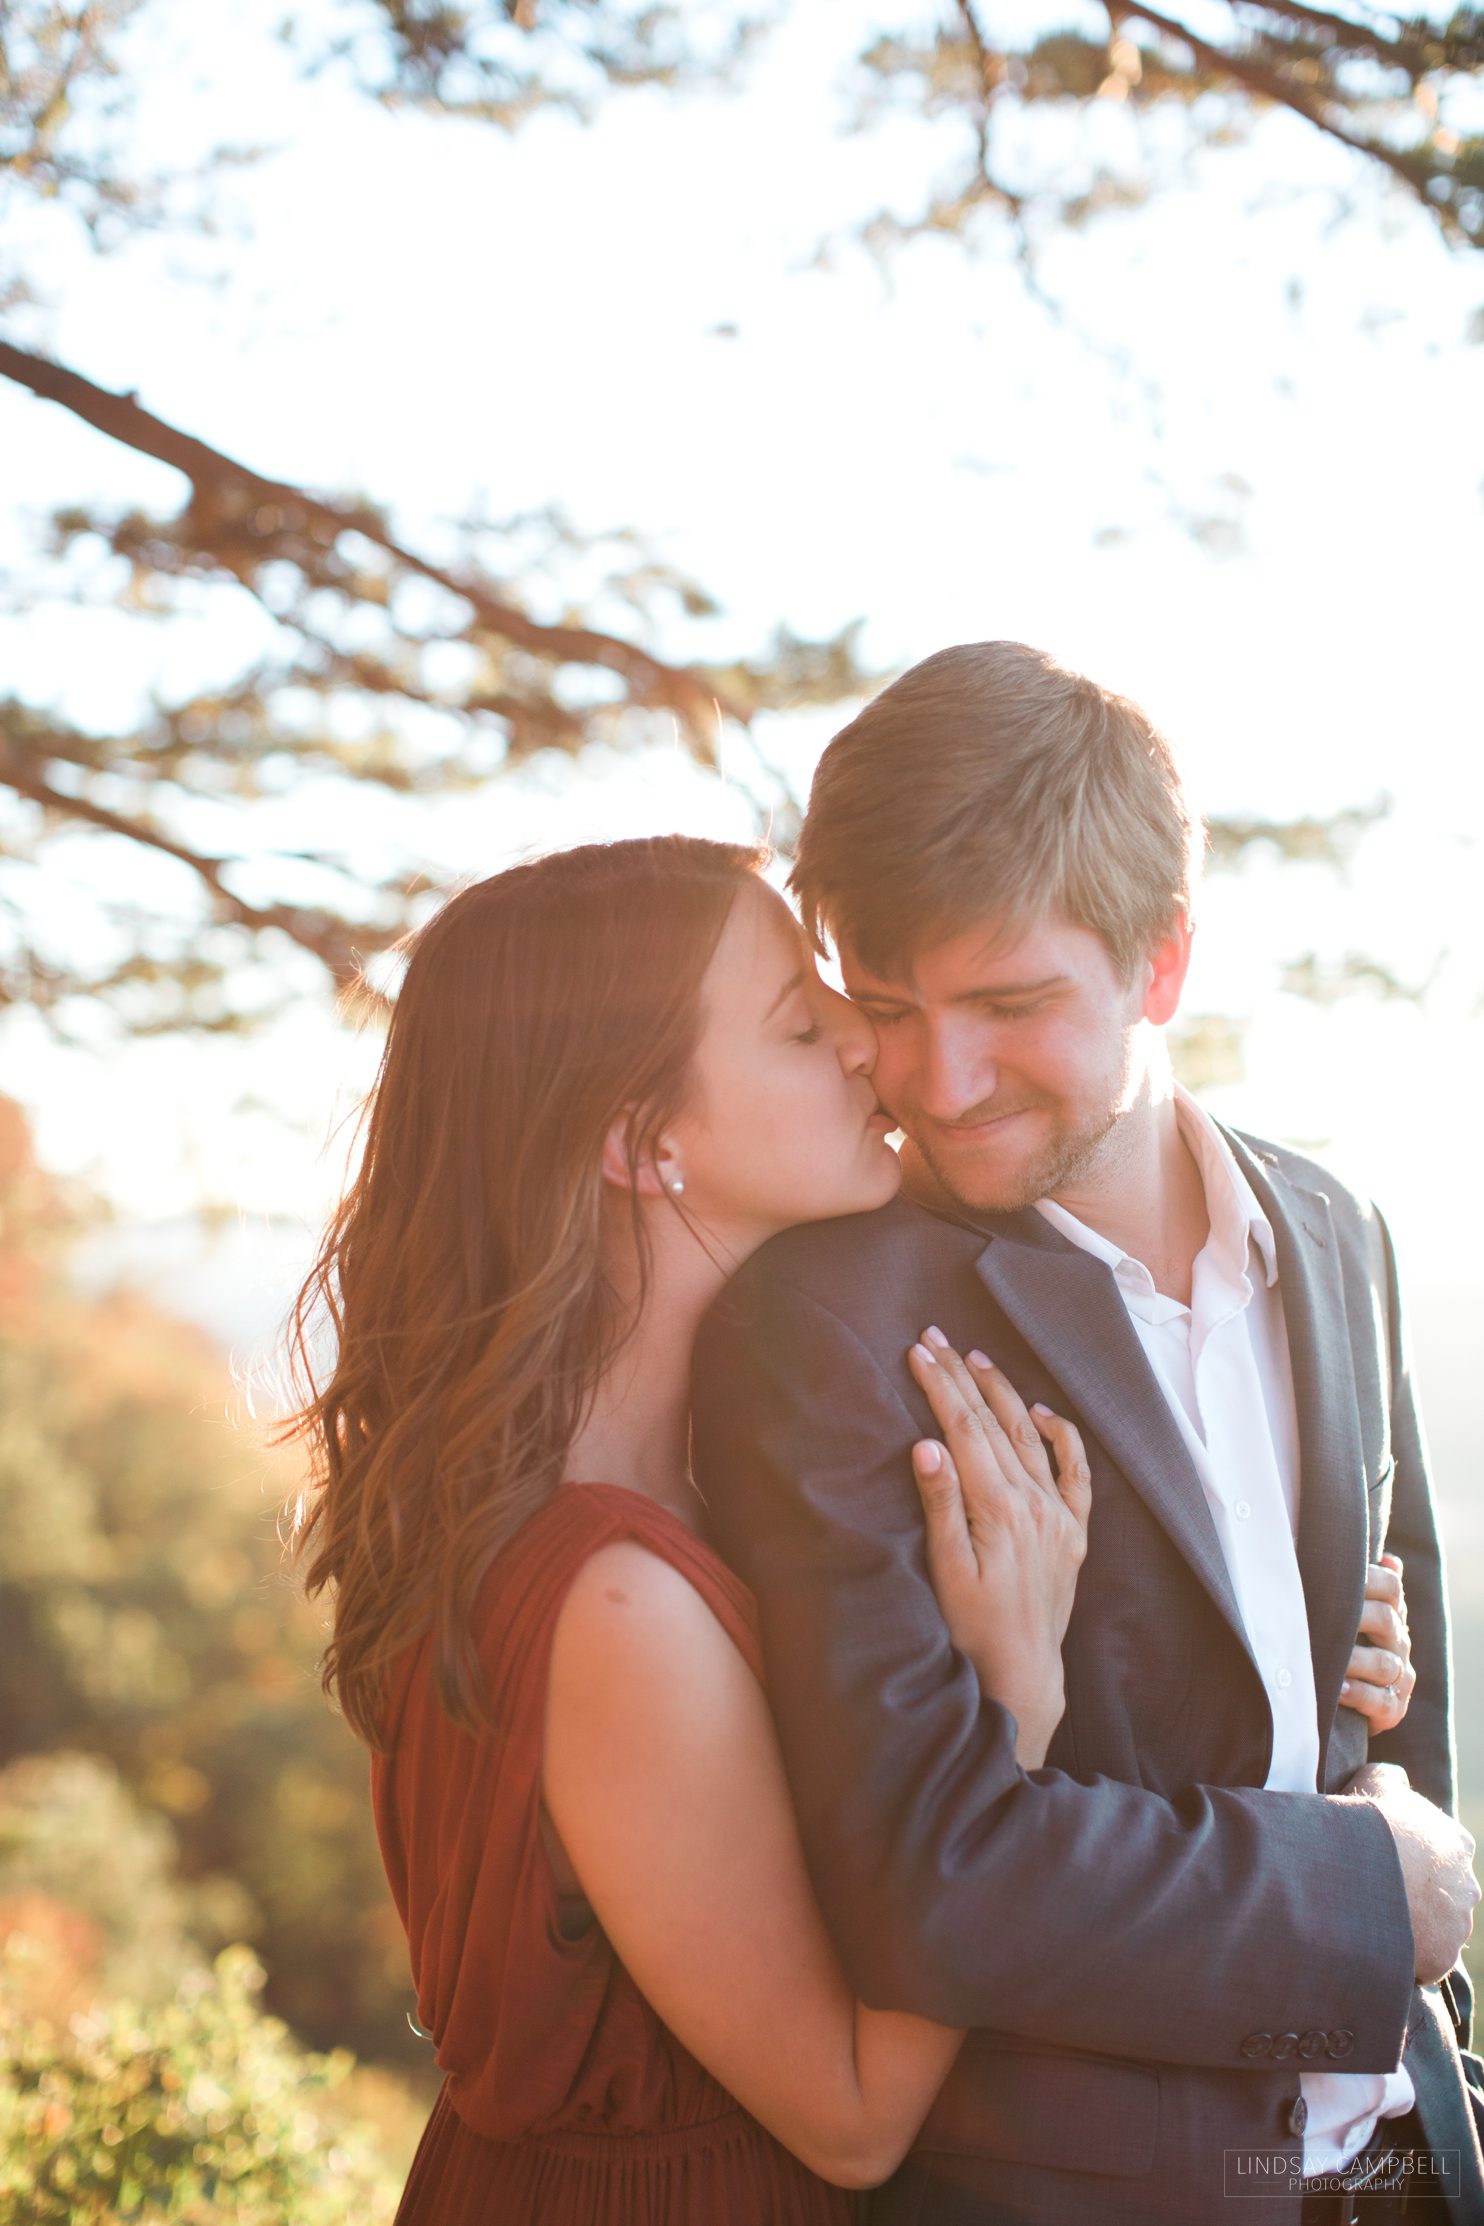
[(1298, 2116), (1242, 1510), (1284, 1679)]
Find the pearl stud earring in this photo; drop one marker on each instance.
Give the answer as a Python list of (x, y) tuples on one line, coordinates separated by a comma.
[(677, 1187)]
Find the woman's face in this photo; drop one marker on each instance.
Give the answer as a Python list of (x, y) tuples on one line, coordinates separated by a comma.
[(782, 1123)]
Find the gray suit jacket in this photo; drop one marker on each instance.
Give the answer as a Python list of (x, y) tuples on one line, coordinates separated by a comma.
[(1147, 1946)]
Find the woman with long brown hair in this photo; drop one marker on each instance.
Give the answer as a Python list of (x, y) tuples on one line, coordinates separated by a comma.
[(610, 1074)]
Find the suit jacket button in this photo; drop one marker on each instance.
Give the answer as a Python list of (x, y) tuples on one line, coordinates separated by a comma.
[(1298, 2116), (1340, 2042), (1313, 2043), (1284, 2045), (1257, 2044)]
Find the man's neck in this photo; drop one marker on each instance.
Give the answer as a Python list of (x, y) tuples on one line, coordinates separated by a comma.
[(1149, 1199)]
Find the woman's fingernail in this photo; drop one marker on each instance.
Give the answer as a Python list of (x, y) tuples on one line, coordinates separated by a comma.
[(924, 1355), (980, 1360), (936, 1337), (1345, 1687), (928, 1457), (1040, 1407)]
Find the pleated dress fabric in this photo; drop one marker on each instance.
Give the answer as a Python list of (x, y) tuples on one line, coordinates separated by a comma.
[(566, 2101)]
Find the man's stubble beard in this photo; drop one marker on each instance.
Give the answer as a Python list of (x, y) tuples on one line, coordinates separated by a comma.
[(1066, 1161)]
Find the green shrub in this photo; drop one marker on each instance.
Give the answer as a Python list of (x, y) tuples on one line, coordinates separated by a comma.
[(200, 2110)]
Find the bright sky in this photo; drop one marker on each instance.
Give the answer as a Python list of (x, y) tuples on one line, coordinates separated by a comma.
[(626, 320)]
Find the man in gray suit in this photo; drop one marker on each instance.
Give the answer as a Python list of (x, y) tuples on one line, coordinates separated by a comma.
[(1202, 1979)]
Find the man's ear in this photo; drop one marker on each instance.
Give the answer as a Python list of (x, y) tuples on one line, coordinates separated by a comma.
[(1166, 967), (646, 1178)]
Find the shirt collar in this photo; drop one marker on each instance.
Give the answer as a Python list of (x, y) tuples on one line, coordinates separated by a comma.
[(1231, 1200)]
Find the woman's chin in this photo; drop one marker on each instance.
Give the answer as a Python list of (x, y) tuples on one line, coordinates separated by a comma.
[(882, 1182)]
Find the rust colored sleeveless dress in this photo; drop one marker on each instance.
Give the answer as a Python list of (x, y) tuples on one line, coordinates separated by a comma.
[(566, 2101)]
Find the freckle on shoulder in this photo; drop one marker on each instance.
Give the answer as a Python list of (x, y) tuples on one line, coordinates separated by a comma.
[(625, 1576)]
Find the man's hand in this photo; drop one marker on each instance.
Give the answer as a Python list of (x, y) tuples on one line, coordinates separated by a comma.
[(1380, 1680), (1437, 1857)]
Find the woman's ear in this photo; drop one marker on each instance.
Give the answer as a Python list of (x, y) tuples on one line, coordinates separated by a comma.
[(652, 1176)]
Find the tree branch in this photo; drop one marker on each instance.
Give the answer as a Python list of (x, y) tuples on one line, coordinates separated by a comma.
[(649, 680), (1415, 48), (326, 938), (1269, 84), (991, 76)]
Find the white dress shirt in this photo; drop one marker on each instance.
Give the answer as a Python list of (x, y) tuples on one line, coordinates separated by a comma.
[(1223, 1365)]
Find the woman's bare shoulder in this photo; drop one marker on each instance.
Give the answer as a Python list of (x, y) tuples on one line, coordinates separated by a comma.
[(629, 1611)]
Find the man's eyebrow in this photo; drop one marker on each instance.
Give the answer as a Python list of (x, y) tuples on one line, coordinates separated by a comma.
[(877, 996), (977, 995), (795, 981), (998, 990)]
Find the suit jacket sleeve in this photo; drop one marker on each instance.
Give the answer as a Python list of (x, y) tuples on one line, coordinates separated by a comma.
[(1092, 1915), (1423, 1742)]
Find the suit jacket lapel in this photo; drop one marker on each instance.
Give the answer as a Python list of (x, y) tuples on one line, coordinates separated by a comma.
[(1332, 1506), (1066, 1306)]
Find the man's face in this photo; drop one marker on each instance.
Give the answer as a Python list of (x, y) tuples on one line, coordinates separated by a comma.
[(1011, 1055)]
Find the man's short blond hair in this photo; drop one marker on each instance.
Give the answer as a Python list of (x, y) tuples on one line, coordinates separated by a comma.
[(991, 781)]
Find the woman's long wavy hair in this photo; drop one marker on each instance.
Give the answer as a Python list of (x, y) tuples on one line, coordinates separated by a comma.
[(461, 1278)]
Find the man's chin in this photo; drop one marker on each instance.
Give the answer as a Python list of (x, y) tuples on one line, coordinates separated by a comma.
[(955, 1180), (996, 1197)]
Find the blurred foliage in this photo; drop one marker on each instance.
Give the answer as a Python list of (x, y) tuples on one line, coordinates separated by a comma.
[(393, 668), (1306, 841), (173, 1784), (146, 1623), (1394, 89), (1400, 92), (91, 1879), (199, 2109), (49, 55), (1206, 1050), (501, 63)]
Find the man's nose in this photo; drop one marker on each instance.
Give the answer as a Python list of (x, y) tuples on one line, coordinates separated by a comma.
[(855, 1037), (955, 1074)]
